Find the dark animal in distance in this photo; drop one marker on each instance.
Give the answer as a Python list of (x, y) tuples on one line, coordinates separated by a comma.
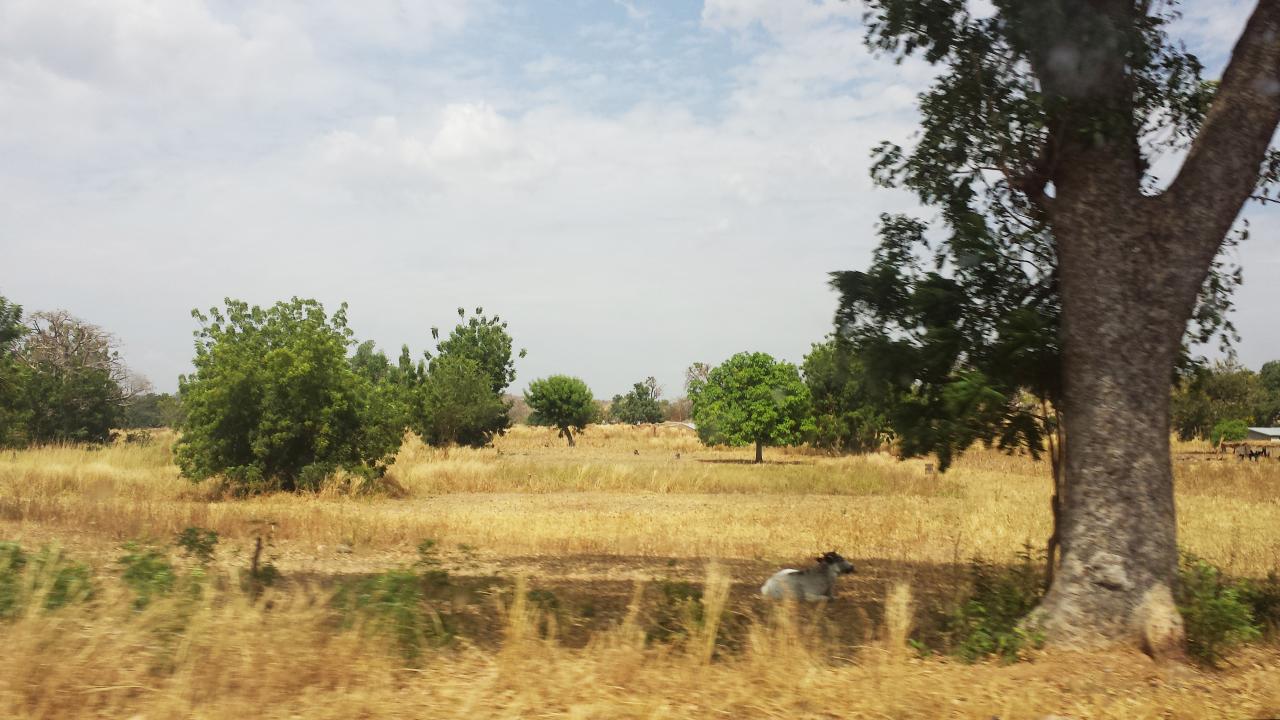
[(812, 584)]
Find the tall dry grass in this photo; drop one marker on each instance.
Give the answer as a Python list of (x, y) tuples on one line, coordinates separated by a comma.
[(283, 656), (533, 496)]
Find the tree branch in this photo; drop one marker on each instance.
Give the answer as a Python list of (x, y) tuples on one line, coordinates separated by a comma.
[(1221, 170)]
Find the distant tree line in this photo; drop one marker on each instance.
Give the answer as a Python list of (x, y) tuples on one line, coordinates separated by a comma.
[(61, 379)]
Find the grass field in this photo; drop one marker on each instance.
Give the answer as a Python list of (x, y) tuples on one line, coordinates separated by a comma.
[(561, 562)]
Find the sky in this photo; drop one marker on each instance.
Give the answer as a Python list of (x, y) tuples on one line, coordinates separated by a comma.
[(632, 185)]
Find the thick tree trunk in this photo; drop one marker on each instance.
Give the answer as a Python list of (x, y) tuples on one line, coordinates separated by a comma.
[(1130, 267), (759, 451), (1129, 284), (568, 435)]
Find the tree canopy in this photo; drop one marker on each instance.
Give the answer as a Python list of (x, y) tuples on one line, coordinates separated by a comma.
[(562, 402), (641, 405), (1037, 143), (751, 399), (275, 402), (486, 341)]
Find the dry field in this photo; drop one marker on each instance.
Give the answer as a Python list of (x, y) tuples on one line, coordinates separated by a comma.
[(595, 536)]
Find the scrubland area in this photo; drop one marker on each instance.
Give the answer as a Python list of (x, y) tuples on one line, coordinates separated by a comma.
[(615, 579)]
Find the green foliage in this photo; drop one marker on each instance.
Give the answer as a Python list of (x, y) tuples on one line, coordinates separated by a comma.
[(989, 621), (394, 605), (13, 410), (153, 410), (561, 402), (198, 543), (1215, 611), (148, 572), (1263, 599), (752, 399), (457, 404), (961, 323), (638, 406), (849, 411), (275, 403), (74, 385), (678, 610), (1228, 430), (48, 577), (1207, 395), (486, 341), (963, 356)]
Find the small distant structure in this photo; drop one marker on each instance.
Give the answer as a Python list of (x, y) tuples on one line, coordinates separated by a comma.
[(676, 423), (1261, 442), (1264, 434)]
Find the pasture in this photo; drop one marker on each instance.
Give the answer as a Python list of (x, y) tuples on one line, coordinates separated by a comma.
[(563, 580)]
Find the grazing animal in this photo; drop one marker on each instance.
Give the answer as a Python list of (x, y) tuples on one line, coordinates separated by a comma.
[(812, 584)]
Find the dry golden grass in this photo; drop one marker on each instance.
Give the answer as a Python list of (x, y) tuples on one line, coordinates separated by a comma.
[(532, 505)]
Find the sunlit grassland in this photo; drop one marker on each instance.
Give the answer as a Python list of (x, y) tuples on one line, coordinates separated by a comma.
[(625, 501), (624, 491)]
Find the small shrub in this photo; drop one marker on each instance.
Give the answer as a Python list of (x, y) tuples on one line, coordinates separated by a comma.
[(12, 564), (63, 582), (989, 621), (148, 573), (1228, 430), (198, 543), (1215, 611), (1263, 597), (394, 605), (678, 610), (47, 576)]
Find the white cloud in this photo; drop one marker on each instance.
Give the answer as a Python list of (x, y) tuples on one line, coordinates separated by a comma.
[(168, 154)]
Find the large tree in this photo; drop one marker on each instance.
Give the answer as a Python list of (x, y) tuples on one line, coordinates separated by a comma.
[(751, 399), (76, 383), (13, 416), (1054, 110), (562, 402), (276, 403), (638, 406)]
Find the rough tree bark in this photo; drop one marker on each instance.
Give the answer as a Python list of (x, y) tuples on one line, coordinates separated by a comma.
[(759, 451), (1131, 266)]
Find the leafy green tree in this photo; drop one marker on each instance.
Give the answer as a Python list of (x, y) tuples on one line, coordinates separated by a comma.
[(638, 406), (1229, 431), (275, 403), (752, 399), (1052, 110), (13, 411), (458, 406), (452, 405), (561, 402), (849, 412), (153, 410), (486, 341), (76, 384), (1209, 395), (1268, 414)]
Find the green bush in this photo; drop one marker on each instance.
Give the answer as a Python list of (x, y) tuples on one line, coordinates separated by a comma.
[(47, 576), (1229, 430), (562, 402), (275, 403), (988, 622), (1215, 610), (1263, 597), (393, 605), (678, 610), (148, 574), (198, 543)]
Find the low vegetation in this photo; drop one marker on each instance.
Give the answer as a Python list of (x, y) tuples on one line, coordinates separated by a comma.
[(567, 581)]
